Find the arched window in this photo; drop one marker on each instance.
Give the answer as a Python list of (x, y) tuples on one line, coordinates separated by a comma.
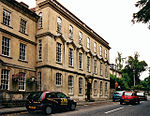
[(58, 79), (80, 86), (70, 84)]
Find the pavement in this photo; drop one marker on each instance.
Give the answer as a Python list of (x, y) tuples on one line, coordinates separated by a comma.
[(23, 109)]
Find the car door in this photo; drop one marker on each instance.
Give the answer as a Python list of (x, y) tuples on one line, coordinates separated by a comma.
[(62, 99), (52, 99)]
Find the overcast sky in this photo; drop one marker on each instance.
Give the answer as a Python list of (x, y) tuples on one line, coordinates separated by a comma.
[(111, 19)]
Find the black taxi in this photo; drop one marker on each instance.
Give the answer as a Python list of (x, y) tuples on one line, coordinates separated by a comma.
[(49, 102)]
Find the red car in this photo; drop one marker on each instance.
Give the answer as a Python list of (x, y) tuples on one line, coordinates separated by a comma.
[(129, 97)]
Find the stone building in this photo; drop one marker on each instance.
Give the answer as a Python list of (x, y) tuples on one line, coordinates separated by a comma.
[(49, 48)]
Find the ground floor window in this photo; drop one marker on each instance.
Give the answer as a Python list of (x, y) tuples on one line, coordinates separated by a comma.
[(80, 86), (39, 80), (5, 79), (58, 79), (106, 89), (22, 81), (95, 87), (101, 88), (70, 84)]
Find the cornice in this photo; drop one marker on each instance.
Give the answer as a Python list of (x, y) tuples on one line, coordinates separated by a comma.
[(75, 72), (65, 12), (20, 8)]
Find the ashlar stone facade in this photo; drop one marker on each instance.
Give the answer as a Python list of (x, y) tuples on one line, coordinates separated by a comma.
[(50, 46)]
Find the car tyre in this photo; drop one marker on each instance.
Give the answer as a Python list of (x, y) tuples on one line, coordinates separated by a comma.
[(72, 107), (48, 110)]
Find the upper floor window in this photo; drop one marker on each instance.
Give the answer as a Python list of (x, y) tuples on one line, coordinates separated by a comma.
[(40, 50), (88, 64), (80, 86), (80, 60), (70, 32), (58, 79), (80, 38), (95, 66), (70, 84), (70, 57), (95, 47), (101, 69), (59, 24), (105, 54), (40, 20), (23, 26), (5, 46), (95, 87), (100, 49), (5, 79), (22, 52), (22, 81), (58, 52), (6, 17), (88, 43)]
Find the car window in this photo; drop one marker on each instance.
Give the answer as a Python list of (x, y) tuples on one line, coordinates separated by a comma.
[(61, 95), (142, 94), (51, 95), (127, 94), (36, 95)]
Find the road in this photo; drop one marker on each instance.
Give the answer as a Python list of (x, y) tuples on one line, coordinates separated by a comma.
[(111, 109)]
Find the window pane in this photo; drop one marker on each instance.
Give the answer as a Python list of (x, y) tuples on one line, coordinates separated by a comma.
[(22, 81), (5, 79), (6, 17), (23, 27), (58, 79), (5, 46), (58, 52), (22, 51)]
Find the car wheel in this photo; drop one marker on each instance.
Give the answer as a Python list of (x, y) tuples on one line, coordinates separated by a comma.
[(48, 110), (72, 107)]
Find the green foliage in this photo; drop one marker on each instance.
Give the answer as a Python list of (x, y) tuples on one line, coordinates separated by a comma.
[(143, 15), (134, 67), (119, 61), (122, 82)]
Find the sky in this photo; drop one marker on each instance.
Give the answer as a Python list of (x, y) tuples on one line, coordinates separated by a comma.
[(111, 19)]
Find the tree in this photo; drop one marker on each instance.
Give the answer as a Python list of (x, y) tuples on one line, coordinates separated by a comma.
[(143, 15), (134, 68), (119, 61)]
